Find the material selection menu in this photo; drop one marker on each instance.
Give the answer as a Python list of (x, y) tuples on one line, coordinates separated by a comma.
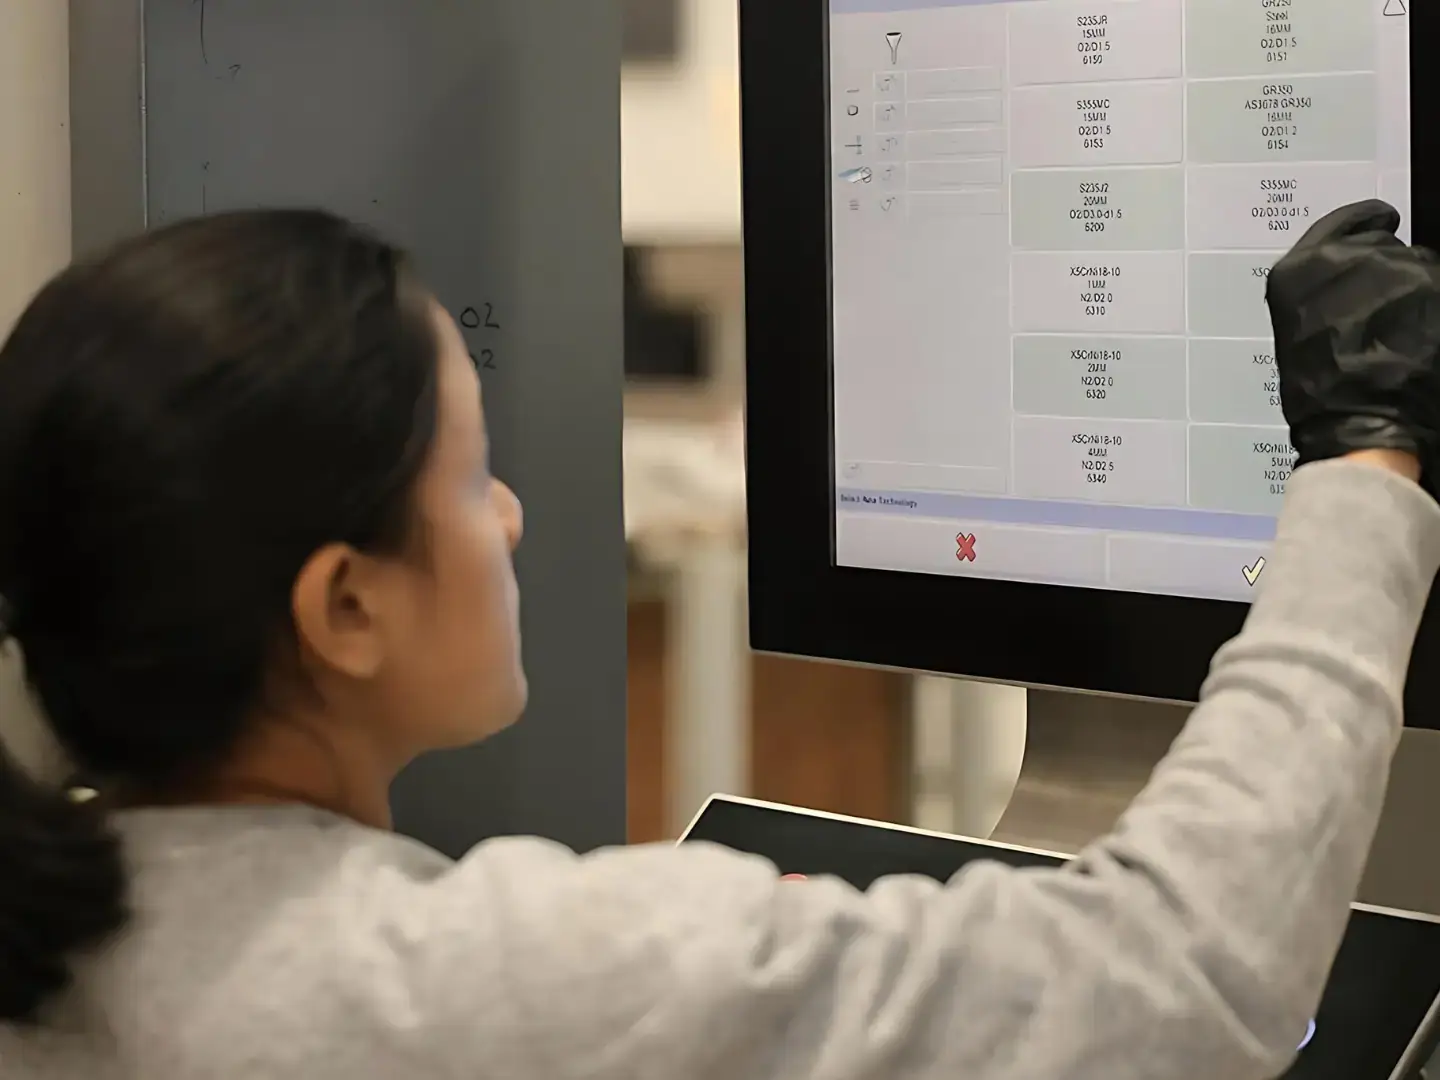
[(1153, 159)]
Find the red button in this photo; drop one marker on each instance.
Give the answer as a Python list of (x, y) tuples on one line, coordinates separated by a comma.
[(965, 547)]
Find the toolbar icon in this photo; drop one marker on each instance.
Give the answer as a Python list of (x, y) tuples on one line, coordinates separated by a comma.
[(893, 40), (1252, 573), (965, 547), (1394, 7)]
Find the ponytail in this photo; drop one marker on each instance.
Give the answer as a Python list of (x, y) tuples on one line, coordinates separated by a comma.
[(62, 887)]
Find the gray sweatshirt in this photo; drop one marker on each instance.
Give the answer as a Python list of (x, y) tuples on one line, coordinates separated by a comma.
[(1193, 941)]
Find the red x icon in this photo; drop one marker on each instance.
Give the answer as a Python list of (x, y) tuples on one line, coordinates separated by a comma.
[(965, 547)]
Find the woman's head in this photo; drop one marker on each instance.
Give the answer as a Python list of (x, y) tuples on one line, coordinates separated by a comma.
[(244, 490)]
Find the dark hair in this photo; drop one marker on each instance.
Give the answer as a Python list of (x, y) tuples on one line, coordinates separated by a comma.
[(184, 421)]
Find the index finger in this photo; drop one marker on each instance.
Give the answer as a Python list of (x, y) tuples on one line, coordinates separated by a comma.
[(1356, 219)]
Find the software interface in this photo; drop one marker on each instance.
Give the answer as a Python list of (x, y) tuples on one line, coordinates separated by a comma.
[(1052, 222)]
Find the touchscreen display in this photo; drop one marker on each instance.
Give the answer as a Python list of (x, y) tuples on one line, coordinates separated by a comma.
[(1383, 984), (1051, 225)]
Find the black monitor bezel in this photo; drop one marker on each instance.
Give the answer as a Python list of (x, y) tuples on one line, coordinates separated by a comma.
[(801, 603)]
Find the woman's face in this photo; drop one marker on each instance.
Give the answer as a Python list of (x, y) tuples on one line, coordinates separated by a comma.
[(455, 670), (422, 651)]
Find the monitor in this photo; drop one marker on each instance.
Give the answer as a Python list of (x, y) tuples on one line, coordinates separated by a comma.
[(1376, 1021), (1012, 395)]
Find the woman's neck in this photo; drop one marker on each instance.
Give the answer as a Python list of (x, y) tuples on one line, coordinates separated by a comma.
[(294, 762)]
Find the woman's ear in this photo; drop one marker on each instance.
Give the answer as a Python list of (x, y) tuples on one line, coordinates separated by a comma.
[(337, 603)]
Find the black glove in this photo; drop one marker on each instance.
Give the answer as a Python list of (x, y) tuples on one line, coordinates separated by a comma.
[(1356, 315)]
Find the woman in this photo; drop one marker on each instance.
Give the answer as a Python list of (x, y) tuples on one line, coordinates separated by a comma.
[(254, 554)]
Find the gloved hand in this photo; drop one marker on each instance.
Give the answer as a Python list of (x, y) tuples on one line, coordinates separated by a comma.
[(1356, 315)]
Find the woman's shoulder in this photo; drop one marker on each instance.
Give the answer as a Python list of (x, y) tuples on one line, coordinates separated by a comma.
[(292, 859), (191, 845), (282, 932), (281, 898)]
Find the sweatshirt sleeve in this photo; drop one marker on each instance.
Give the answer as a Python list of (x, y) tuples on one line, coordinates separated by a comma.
[(1191, 942)]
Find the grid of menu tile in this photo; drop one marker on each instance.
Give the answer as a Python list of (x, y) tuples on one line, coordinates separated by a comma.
[(1164, 155)]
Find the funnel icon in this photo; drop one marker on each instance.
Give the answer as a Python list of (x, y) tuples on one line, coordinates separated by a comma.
[(893, 40)]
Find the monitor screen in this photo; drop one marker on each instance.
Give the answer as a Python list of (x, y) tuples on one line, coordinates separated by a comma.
[(1374, 1022), (1050, 229)]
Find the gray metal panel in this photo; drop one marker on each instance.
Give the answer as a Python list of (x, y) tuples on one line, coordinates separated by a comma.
[(107, 187), (484, 136), (1091, 754), (1404, 866)]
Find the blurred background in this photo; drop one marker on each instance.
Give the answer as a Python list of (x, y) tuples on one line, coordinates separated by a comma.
[(705, 714)]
